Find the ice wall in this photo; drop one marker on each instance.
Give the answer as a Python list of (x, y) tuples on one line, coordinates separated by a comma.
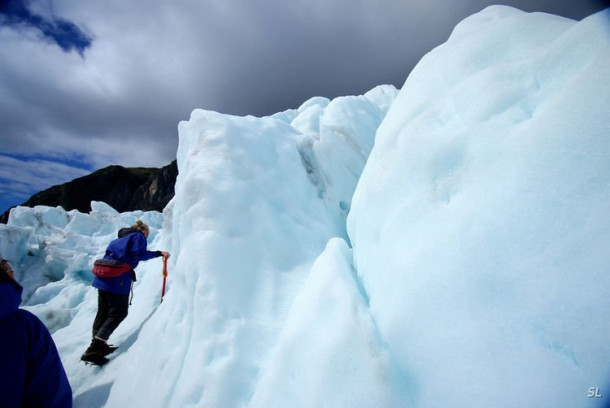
[(481, 223), (479, 270), (256, 201)]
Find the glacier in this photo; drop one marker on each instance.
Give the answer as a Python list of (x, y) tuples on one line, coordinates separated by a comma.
[(444, 244)]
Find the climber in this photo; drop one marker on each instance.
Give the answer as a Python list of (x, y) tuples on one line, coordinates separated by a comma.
[(113, 292)]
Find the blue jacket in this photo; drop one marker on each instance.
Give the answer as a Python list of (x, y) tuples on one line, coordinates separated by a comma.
[(130, 249), (31, 372)]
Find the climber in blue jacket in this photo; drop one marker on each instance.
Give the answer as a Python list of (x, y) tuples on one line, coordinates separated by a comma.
[(31, 372), (113, 293)]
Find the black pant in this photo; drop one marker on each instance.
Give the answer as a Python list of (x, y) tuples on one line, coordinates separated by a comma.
[(111, 311)]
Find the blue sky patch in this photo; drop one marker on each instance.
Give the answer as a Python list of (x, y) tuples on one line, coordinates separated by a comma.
[(24, 175), (64, 33)]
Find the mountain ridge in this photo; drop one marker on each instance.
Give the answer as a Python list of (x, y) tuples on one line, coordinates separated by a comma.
[(123, 188)]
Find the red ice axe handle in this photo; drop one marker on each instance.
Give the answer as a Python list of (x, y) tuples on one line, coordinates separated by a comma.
[(164, 277)]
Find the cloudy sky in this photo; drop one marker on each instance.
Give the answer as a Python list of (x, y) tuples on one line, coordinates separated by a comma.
[(86, 84)]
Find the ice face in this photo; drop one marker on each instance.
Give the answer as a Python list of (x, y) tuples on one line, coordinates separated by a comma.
[(256, 202), (479, 222)]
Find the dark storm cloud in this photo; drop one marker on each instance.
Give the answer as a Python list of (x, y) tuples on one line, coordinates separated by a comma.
[(151, 64), (336, 48)]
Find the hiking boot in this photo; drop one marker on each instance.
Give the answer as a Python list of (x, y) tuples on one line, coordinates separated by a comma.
[(95, 352), (94, 358), (108, 349), (100, 346)]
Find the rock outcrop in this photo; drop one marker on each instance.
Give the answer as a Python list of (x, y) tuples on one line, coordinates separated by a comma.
[(124, 189)]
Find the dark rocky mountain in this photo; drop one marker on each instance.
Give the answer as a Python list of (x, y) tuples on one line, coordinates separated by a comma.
[(124, 189)]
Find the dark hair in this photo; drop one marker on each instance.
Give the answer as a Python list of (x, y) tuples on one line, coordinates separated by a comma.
[(5, 262), (4, 276)]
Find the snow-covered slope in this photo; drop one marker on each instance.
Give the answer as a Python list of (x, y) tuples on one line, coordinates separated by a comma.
[(463, 264)]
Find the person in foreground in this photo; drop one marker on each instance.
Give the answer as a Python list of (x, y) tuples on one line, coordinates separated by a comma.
[(31, 372), (123, 254)]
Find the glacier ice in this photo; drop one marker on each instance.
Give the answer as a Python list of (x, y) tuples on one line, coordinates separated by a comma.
[(441, 245), (485, 202)]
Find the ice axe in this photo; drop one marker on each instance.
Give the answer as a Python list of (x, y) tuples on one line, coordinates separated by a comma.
[(164, 277)]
